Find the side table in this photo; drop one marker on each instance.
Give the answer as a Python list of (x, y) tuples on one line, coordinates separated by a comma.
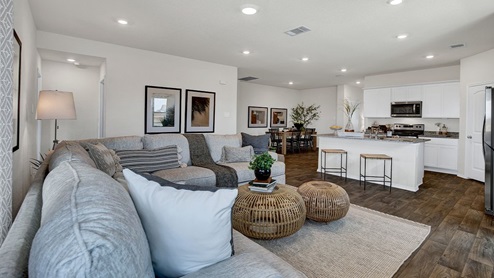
[(268, 215), (325, 201)]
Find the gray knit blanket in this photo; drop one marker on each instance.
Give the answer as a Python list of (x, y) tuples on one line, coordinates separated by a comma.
[(201, 157)]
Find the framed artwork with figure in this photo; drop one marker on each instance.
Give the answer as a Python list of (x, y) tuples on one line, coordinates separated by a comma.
[(278, 117), (162, 110), (199, 111), (16, 91), (258, 116)]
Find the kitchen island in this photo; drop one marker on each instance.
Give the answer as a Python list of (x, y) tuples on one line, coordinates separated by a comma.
[(407, 154)]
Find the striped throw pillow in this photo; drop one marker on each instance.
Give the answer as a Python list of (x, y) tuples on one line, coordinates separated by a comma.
[(149, 161)]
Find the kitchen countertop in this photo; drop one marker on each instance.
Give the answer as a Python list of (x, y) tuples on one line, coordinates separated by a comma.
[(433, 134), (384, 139)]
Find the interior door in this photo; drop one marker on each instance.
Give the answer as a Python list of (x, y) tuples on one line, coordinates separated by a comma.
[(475, 162)]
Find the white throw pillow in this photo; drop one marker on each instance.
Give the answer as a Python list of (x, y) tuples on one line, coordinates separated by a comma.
[(186, 230)]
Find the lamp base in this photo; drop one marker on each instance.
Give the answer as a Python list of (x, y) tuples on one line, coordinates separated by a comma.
[(55, 143)]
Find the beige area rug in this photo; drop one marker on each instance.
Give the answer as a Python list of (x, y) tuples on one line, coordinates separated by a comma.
[(365, 243)]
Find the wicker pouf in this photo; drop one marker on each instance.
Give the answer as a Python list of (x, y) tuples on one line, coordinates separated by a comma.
[(268, 215), (325, 201)]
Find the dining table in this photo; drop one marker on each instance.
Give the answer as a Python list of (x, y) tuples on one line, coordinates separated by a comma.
[(288, 134)]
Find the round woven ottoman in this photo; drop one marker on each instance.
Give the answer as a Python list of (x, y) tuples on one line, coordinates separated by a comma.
[(325, 201), (268, 215)]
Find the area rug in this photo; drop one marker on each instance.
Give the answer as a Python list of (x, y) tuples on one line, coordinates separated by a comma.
[(365, 243)]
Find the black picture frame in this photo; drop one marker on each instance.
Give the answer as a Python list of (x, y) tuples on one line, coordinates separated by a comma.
[(16, 91), (200, 109), (279, 117), (162, 110), (257, 117)]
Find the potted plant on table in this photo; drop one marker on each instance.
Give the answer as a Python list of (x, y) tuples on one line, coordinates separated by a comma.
[(302, 116), (261, 164)]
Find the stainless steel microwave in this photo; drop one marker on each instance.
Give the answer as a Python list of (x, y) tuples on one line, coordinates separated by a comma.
[(406, 109)]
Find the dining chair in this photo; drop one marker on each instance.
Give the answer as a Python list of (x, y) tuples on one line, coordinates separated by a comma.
[(294, 141)]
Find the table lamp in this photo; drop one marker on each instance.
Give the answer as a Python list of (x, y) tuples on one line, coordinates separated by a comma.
[(55, 105)]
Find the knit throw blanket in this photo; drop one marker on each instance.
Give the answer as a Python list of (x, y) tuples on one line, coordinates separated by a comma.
[(201, 157)]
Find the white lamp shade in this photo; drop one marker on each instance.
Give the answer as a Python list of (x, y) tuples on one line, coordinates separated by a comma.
[(55, 105)]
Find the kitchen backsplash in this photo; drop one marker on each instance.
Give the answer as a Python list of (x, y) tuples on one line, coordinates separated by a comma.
[(453, 125)]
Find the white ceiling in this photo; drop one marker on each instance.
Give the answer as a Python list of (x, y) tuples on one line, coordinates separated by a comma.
[(358, 34)]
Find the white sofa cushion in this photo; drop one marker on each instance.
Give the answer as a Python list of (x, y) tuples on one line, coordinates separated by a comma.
[(217, 142), (156, 141), (190, 175)]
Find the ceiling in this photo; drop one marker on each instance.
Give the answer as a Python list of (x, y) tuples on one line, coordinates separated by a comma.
[(359, 35)]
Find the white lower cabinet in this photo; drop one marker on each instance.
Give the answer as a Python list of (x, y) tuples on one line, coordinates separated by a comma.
[(441, 155)]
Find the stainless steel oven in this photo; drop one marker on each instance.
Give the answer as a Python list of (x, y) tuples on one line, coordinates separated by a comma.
[(406, 109)]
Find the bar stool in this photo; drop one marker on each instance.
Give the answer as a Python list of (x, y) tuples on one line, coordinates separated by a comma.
[(382, 157), (342, 170)]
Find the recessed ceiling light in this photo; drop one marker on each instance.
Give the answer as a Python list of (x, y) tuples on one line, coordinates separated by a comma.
[(246, 52), (429, 56), (343, 70), (402, 36), (76, 63), (305, 59), (358, 82), (395, 2), (123, 21), (290, 83), (71, 60), (249, 10)]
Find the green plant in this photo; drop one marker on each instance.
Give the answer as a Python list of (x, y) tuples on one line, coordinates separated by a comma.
[(263, 161), (305, 114), (37, 163), (349, 108)]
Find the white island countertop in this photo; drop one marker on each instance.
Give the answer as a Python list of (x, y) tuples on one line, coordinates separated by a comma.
[(407, 154)]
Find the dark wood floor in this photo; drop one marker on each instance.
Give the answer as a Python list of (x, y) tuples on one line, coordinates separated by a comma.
[(461, 242)]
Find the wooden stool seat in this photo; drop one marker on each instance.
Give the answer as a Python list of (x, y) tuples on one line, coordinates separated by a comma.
[(341, 169), (384, 178), (325, 201)]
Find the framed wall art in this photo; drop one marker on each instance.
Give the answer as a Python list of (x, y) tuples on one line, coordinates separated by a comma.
[(258, 116), (278, 117), (199, 111), (16, 92), (162, 110)]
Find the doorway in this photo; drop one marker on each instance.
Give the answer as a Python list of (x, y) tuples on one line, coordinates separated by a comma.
[(474, 123)]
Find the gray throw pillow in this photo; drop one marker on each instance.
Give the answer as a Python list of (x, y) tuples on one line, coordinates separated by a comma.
[(260, 143), (234, 154), (102, 157)]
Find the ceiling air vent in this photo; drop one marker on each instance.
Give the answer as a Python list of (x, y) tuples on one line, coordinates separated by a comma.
[(458, 45), (297, 31), (248, 78)]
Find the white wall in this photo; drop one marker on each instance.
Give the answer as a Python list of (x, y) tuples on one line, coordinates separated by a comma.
[(25, 28), (129, 70), (475, 70), (250, 94), (327, 99), (434, 75), (83, 82)]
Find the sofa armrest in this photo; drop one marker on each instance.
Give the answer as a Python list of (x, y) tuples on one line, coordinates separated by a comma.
[(277, 156)]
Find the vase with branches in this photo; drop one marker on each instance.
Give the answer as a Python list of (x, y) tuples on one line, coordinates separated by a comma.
[(302, 115), (349, 109)]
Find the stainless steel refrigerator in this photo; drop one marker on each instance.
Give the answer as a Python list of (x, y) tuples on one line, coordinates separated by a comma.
[(488, 144)]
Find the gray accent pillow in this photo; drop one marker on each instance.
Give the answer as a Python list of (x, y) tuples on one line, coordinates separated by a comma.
[(148, 161), (89, 228), (102, 157), (260, 143), (234, 154)]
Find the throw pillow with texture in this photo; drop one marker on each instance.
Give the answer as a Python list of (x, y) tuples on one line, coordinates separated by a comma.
[(102, 157), (234, 154), (260, 143), (148, 161), (187, 230)]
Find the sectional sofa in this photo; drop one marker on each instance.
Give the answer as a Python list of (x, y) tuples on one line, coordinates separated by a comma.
[(78, 221)]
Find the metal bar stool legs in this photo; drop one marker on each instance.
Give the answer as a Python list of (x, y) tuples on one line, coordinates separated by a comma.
[(341, 169), (384, 178)]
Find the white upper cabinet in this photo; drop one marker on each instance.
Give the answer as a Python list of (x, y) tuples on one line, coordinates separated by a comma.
[(441, 100), (377, 103), (406, 93)]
